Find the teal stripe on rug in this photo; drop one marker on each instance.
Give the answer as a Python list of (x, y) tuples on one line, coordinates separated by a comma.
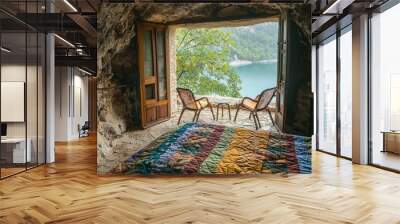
[(213, 138), (303, 153), (210, 164), (155, 161)]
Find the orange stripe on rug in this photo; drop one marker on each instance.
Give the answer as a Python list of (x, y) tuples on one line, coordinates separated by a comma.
[(245, 153)]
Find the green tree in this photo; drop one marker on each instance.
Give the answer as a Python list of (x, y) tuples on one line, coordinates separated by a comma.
[(203, 57)]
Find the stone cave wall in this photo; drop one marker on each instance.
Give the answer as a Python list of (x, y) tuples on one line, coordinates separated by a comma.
[(118, 112), (117, 69), (172, 69)]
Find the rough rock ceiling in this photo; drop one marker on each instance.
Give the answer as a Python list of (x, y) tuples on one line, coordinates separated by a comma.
[(202, 12)]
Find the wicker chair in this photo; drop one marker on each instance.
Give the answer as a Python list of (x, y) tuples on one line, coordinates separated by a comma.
[(261, 103), (189, 102)]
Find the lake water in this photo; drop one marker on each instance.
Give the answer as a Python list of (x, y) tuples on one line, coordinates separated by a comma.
[(256, 77)]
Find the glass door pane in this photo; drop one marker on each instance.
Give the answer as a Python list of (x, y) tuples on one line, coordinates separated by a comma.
[(22, 87), (148, 53), (385, 89), (14, 153), (32, 98), (346, 94), (150, 93), (327, 96), (162, 80)]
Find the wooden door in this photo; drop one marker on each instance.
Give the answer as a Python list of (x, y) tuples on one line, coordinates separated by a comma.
[(154, 78), (282, 63)]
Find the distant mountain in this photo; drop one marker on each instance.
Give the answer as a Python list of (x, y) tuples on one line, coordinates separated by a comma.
[(256, 42)]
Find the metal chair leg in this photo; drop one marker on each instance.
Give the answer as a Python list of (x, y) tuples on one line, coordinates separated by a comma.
[(229, 111), (198, 115), (180, 116), (236, 114), (212, 111), (258, 119), (270, 117), (273, 122), (255, 120), (195, 115), (217, 111)]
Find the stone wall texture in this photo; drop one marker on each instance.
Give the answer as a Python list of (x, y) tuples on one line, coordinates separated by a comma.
[(117, 110), (172, 69)]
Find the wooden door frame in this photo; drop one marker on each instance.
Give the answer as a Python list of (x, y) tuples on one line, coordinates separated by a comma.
[(282, 56), (141, 27)]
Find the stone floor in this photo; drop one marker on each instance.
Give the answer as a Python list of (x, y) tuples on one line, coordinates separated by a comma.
[(136, 140), (241, 121)]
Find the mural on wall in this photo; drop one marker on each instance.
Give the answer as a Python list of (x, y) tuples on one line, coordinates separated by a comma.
[(119, 107)]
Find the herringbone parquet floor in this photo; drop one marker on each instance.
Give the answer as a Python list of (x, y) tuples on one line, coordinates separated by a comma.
[(69, 191)]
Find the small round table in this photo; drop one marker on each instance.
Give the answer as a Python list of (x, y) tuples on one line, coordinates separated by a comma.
[(222, 103)]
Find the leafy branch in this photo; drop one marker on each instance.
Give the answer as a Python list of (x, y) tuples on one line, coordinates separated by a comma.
[(203, 57)]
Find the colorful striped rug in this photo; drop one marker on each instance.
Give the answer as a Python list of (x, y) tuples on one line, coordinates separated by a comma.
[(196, 148)]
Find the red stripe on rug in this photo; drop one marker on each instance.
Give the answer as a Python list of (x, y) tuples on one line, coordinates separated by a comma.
[(293, 164), (207, 146)]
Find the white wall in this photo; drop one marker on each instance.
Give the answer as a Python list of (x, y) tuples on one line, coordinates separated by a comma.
[(80, 111), (71, 102), (12, 73), (61, 103), (17, 73), (33, 127)]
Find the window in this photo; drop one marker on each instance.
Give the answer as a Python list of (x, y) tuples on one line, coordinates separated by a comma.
[(385, 89), (22, 77), (346, 93), (334, 94), (327, 96)]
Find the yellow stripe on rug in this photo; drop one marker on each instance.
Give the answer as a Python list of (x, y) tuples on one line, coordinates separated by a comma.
[(245, 153)]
